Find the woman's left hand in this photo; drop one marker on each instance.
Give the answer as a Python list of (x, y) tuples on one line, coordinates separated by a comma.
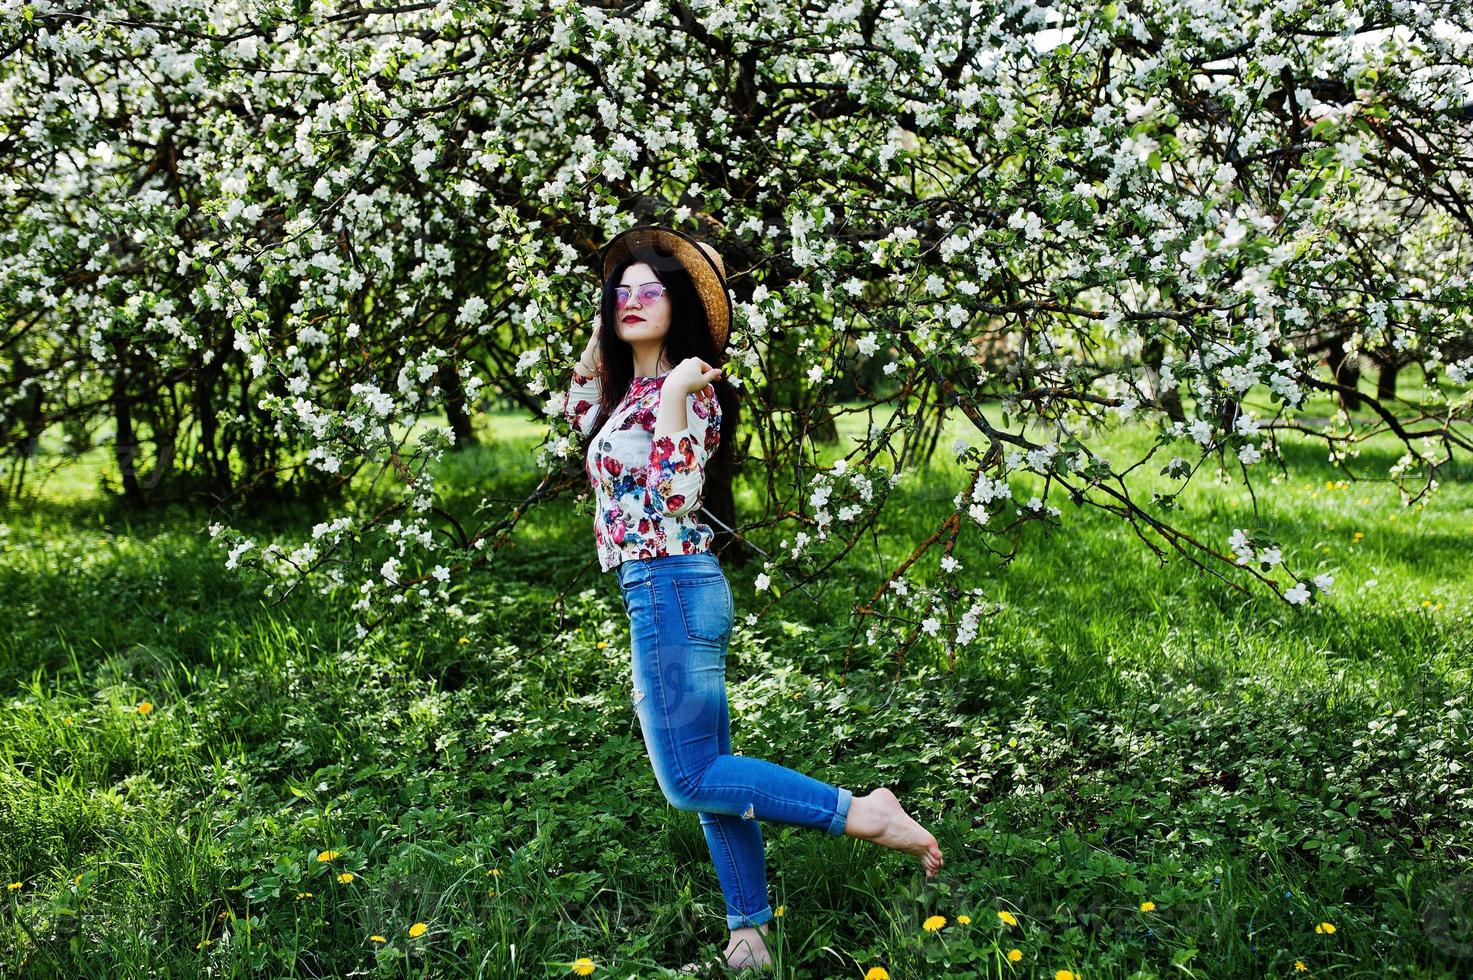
[(691, 374)]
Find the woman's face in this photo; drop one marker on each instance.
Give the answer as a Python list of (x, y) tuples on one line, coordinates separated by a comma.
[(640, 322)]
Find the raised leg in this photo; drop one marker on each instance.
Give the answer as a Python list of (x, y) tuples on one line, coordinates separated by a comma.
[(681, 706)]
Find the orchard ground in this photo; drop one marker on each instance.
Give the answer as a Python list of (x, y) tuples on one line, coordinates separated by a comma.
[(1143, 767)]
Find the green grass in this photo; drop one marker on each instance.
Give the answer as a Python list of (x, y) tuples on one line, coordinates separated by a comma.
[(1122, 731)]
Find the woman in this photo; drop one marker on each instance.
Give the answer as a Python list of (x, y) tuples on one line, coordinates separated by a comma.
[(660, 408)]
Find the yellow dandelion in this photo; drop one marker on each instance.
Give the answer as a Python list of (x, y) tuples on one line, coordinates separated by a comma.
[(494, 871), (1014, 955), (345, 877), (377, 939), (144, 707), (934, 923), (779, 911), (417, 930), (1007, 917), (602, 644), (1324, 927), (302, 895), (1436, 607), (1299, 965), (14, 885), (1329, 484), (964, 919), (583, 966), (1148, 906), (877, 973), (1426, 603), (464, 640), (327, 855), (1066, 975), (77, 880)]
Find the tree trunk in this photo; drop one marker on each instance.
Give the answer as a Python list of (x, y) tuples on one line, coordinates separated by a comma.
[(216, 464), (1153, 356), (1231, 409), (455, 410), (29, 411), (125, 447), (1346, 371), (165, 442), (717, 497), (1386, 381)]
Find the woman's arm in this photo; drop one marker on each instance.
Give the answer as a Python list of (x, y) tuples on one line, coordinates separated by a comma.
[(586, 388), (584, 393), (677, 465)]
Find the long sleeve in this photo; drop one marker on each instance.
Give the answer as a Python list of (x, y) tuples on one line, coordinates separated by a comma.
[(677, 464), (583, 401)]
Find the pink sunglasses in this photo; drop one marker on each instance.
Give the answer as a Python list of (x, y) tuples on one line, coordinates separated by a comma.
[(649, 294)]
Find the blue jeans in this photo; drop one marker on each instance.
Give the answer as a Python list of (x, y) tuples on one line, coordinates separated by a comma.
[(680, 619)]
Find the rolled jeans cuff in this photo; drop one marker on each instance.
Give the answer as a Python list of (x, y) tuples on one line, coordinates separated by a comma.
[(841, 812), (749, 921)]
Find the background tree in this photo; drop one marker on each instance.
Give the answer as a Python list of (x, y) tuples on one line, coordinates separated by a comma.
[(261, 240)]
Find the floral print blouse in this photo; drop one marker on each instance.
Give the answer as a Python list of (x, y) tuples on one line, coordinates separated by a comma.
[(645, 489)]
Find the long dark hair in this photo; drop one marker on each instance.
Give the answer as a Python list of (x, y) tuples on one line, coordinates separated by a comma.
[(689, 335)]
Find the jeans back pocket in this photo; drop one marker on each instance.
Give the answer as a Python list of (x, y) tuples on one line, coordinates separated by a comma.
[(705, 607)]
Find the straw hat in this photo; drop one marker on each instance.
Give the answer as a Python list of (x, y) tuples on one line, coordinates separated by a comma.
[(701, 260)]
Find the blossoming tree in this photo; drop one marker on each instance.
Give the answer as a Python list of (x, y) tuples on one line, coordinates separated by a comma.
[(260, 241)]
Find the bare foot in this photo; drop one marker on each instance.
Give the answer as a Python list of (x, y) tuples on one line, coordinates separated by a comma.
[(880, 819), (747, 950)]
